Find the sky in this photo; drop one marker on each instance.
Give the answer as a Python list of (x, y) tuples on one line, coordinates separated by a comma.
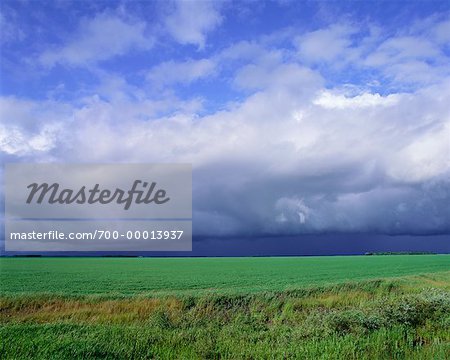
[(306, 122)]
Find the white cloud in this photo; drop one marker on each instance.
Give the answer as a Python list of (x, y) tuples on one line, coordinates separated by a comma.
[(326, 44), (412, 59), (29, 127), (402, 48), (99, 38), (191, 21), (244, 50), (424, 158), (336, 101), (172, 72), (292, 210), (275, 76), (441, 32)]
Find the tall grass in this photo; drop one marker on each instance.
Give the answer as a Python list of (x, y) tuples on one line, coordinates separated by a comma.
[(382, 319)]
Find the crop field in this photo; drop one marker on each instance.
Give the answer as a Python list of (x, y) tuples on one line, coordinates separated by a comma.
[(141, 276), (357, 307)]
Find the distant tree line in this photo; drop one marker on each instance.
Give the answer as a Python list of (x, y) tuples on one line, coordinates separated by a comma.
[(401, 253)]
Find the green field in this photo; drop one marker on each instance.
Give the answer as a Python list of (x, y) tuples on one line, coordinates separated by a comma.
[(357, 307), (137, 276)]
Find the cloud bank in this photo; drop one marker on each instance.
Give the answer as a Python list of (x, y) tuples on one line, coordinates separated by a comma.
[(343, 128)]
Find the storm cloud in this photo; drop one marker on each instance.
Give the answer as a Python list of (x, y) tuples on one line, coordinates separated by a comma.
[(290, 149)]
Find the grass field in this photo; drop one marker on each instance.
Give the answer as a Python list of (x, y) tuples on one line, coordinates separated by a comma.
[(366, 307), (150, 276)]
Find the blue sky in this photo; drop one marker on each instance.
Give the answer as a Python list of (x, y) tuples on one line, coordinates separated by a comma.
[(299, 117)]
